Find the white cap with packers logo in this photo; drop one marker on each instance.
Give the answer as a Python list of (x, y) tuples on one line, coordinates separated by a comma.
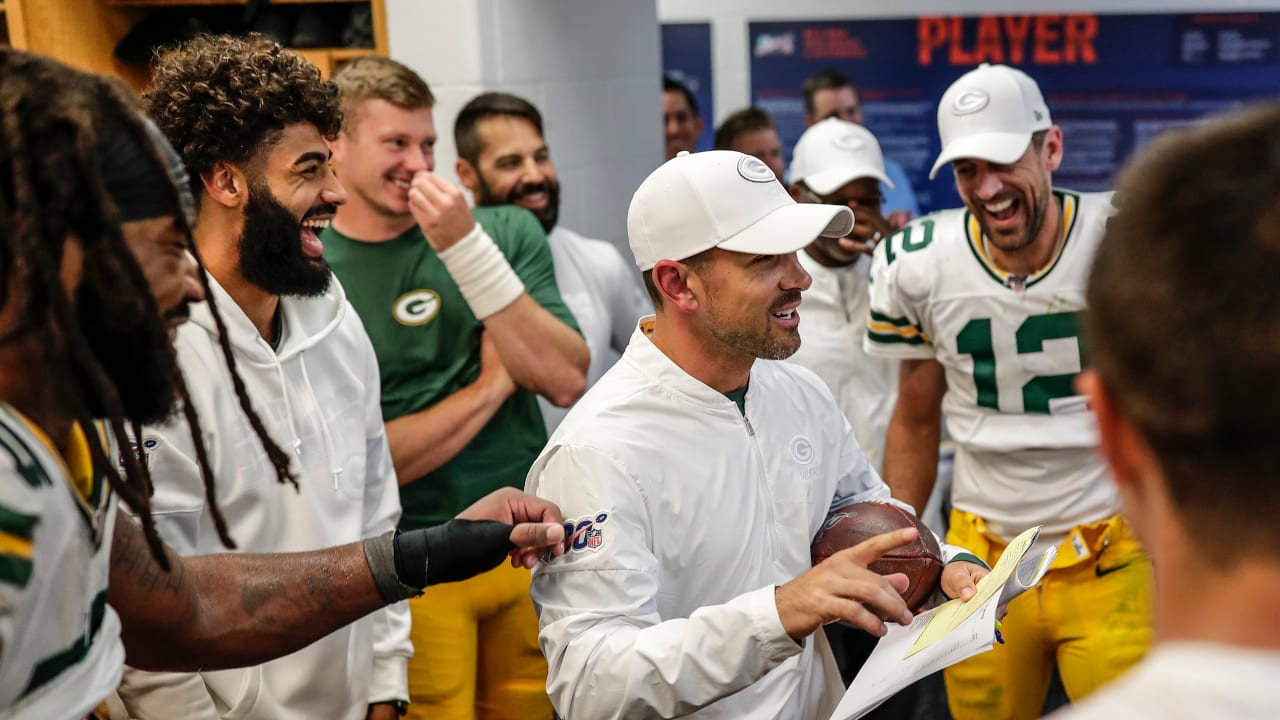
[(990, 113), (725, 199), (835, 152)]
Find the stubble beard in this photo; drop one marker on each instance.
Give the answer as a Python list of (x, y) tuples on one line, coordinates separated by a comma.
[(737, 333), (1034, 224)]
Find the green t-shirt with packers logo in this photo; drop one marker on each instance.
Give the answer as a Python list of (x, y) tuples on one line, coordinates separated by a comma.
[(428, 346)]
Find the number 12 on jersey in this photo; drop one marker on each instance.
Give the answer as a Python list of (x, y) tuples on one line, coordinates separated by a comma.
[(975, 340)]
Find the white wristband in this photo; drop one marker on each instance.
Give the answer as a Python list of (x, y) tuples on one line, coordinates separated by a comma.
[(482, 273)]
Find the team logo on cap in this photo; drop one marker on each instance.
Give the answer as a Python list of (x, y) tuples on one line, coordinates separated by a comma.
[(970, 101), (848, 142), (754, 170), (416, 307)]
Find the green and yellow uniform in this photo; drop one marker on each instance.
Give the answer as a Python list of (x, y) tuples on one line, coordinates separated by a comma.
[(60, 647), (1026, 447)]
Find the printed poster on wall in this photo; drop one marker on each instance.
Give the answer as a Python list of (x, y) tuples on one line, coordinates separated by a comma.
[(1111, 81), (686, 56)]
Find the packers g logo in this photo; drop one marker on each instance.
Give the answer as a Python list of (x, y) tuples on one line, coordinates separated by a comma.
[(970, 101), (849, 142), (416, 307), (751, 168), (802, 449)]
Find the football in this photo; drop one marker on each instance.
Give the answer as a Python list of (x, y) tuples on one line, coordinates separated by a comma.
[(920, 560)]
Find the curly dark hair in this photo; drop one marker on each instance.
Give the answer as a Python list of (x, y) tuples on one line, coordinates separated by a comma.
[(223, 98), (55, 120)]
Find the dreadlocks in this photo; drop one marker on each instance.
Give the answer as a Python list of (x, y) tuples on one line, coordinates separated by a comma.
[(55, 120)]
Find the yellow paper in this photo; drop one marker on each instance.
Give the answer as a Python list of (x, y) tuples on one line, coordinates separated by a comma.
[(953, 612)]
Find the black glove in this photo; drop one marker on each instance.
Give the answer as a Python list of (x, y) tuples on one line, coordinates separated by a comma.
[(453, 551)]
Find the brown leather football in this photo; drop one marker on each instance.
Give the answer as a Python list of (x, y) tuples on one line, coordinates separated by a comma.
[(920, 560)]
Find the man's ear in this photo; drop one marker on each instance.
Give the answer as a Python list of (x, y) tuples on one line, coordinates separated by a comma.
[(468, 175), (226, 184), (678, 284), (1053, 148)]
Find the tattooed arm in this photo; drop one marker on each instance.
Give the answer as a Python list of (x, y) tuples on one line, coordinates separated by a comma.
[(219, 611)]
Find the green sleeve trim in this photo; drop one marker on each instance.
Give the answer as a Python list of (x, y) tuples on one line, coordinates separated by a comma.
[(17, 524), (52, 667), (15, 570), (969, 558), (886, 339), (900, 322)]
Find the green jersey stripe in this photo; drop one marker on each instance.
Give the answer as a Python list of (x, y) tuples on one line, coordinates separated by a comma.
[(887, 339), (49, 669), (881, 317), (23, 458), (18, 524), (15, 570)]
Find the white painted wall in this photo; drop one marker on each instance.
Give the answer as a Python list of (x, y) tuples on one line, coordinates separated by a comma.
[(591, 67), (729, 19)]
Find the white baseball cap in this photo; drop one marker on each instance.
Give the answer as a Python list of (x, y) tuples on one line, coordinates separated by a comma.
[(834, 152), (990, 113), (721, 198)]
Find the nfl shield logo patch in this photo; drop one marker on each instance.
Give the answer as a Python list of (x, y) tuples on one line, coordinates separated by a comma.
[(586, 533)]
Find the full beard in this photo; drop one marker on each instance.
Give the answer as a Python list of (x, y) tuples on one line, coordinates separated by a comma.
[(270, 248), (547, 216)]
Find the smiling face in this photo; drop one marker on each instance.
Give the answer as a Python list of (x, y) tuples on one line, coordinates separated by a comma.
[(864, 197), (380, 149), (292, 197), (514, 168), (1012, 200), (749, 302), (160, 247)]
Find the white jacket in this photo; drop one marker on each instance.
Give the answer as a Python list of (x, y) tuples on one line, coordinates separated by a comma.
[(318, 396), (833, 325), (687, 515)]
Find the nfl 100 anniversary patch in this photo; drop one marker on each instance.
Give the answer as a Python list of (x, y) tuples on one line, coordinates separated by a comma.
[(586, 533)]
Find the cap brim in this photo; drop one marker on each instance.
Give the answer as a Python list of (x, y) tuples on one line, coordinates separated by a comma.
[(829, 181), (1002, 148), (790, 228)]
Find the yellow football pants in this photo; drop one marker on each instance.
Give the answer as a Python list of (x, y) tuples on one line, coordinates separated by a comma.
[(1091, 615), (475, 651)]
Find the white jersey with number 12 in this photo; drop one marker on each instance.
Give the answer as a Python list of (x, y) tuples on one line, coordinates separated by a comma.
[(1011, 349)]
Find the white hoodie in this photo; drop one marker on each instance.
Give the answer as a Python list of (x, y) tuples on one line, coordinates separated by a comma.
[(318, 396)]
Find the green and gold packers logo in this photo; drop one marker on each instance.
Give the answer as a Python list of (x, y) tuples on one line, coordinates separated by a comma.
[(416, 307)]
